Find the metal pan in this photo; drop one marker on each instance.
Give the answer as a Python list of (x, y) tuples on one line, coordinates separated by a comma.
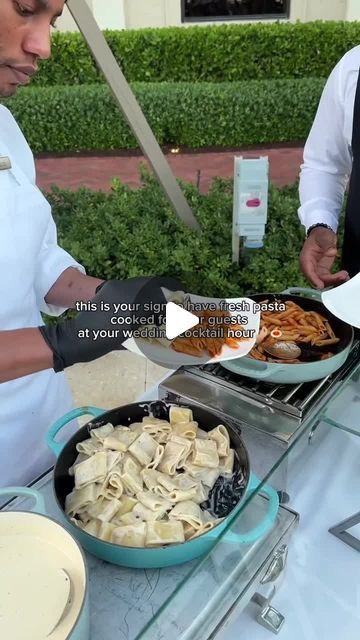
[(305, 371), (240, 487)]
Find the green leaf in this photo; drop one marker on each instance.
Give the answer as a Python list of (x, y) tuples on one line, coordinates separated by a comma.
[(231, 114)]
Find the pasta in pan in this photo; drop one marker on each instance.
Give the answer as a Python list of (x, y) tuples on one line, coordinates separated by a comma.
[(309, 330), (144, 485), (91, 470)]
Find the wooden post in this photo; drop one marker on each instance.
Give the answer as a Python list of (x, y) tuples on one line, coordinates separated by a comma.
[(124, 96)]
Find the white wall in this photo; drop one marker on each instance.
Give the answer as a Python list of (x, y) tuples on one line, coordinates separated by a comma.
[(109, 14), (353, 10), (144, 13), (137, 14), (326, 10), (66, 23), (165, 13)]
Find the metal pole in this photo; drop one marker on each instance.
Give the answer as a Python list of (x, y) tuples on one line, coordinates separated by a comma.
[(235, 234), (124, 96)]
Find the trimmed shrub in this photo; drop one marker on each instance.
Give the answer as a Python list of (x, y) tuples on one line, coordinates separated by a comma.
[(58, 119), (216, 53), (129, 233)]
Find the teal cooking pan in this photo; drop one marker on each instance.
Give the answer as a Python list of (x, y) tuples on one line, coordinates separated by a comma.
[(238, 489), (311, 368)]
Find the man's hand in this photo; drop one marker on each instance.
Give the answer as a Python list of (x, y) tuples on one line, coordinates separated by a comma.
[(317, 259)]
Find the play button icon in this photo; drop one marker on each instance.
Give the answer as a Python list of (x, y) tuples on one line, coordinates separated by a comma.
[(178, 320)]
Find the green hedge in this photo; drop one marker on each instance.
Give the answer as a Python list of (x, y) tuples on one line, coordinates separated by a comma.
[(59, 119), (135, 232), (211, 54)]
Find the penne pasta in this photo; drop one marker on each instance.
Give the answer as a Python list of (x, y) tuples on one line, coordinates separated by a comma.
[(293, 325), (328, 342)]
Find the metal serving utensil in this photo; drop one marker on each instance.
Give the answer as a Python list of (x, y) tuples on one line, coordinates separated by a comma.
[(69, 600), (283, 350)]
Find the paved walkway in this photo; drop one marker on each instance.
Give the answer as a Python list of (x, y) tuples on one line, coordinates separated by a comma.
[(116, 379), (199, 168)]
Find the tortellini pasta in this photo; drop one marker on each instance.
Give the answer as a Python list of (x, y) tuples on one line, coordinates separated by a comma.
[(144, 485)]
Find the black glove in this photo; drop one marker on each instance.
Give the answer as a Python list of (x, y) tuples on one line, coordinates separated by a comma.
[(64, 338)]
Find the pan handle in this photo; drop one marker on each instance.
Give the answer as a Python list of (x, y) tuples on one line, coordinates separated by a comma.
[(265, 525), (308, 293), (57, 447), (254, 368), (39, 506)]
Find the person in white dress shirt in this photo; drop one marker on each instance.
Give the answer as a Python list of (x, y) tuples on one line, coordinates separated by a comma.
[(36, 275), (331, 162)]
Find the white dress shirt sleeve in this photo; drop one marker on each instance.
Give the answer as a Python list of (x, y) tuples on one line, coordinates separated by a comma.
[(327, 154), (52, 262)]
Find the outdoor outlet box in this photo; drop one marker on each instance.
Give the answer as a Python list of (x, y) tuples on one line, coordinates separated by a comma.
[(251, 193)]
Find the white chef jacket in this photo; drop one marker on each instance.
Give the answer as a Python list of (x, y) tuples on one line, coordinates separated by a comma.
[(327, 154), (30, 263)]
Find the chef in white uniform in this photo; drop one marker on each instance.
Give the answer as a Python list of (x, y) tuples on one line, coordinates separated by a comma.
[(36, 275)]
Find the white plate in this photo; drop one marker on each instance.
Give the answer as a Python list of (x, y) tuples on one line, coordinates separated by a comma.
[(169, 358), (344, 301)]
